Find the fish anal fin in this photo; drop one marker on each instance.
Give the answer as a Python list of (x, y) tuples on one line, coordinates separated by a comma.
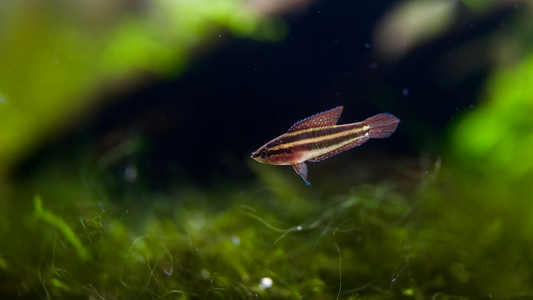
[(349, 146), (301, 169), (326, 118)]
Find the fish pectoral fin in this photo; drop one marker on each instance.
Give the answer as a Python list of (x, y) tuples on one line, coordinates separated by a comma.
[(301, 169)]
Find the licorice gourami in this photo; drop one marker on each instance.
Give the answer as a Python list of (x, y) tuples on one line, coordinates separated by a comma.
[(318, 137)]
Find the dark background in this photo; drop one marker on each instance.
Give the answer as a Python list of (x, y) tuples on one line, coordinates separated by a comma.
[(238, 96)]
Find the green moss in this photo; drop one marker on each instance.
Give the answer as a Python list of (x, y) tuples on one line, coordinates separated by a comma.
[(368, 243), (60, 225)]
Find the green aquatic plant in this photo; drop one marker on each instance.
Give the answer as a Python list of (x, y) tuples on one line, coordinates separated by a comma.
[(61, 225), (440, 239), (497, 136)]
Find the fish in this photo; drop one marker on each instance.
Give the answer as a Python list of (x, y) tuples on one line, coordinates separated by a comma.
[(318, 137)]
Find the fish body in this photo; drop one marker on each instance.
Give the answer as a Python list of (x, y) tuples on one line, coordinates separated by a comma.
[(319, 137)]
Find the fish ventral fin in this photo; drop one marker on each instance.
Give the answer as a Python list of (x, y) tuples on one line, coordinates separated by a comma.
[(301, 169), (381, 125), (349, 146), (326, 118)]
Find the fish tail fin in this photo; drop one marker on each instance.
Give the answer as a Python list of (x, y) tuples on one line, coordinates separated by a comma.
[(381, 125)]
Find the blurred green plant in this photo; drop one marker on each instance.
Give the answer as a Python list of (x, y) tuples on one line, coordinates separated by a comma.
[(61, 225), (58, 59), (443, 239), (261, 242), (497, 137), (412, 23)]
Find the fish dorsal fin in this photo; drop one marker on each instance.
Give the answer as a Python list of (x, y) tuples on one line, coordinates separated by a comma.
[(326, 118)]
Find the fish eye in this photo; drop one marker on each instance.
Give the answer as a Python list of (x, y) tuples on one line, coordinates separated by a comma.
[(263, 153)]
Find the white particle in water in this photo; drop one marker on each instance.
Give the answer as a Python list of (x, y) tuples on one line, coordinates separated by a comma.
[(266, 282), (130, 173), (205, 274), (235, 240), (168, 271), (196, 221)]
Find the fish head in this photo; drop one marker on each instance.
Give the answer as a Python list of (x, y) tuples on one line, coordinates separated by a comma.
[(272, 154), (262, 155)]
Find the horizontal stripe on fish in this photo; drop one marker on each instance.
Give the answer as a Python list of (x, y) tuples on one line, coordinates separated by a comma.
[(317, 134), (321, 131), (316, 147)]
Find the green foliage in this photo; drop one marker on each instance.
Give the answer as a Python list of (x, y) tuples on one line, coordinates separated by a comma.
[(57, 57), (498, 136), (61, 225), (477, 5), (223, 243)]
